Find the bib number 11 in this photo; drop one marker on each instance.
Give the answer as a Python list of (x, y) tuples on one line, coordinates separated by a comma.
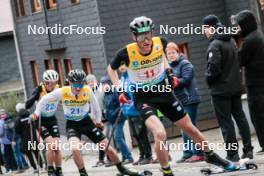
[(149, 73)]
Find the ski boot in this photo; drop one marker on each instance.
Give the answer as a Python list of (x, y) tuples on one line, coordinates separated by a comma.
[(213, 158)]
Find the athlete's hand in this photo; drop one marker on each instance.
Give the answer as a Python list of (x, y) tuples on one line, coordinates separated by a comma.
[(173, 80), (34, 117), (123, 98), (100, 125)]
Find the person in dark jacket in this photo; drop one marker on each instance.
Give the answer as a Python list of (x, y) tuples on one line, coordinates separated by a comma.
[(251, 56), (113, 108), (6, 136), (27, 132), (188, 95), (223, 79)]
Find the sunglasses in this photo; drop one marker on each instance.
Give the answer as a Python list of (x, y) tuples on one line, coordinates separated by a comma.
[(77, 85), (143, 37), (50, 83)]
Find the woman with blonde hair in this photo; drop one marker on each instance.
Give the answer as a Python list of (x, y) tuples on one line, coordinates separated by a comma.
[(187, 93)]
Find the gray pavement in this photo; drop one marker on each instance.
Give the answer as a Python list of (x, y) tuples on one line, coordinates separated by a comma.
[(185, 169)]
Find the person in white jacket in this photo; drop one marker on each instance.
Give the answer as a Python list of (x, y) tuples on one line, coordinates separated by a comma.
[(78, 101)]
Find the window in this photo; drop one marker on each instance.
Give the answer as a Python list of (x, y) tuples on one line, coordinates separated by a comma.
[(183, 47), (51, 4), (75, 1), (36, 5), (48, 64), (67, 65), (19, 8), (34, 70), (87, 65), (58, 68)]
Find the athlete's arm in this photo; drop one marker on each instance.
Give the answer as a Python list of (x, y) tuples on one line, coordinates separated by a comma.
[(95, 108), (164, 43), (54, 95), (120, 58), (33, 98)]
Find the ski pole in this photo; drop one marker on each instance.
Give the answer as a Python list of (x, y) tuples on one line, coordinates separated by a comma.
[(114, 126)]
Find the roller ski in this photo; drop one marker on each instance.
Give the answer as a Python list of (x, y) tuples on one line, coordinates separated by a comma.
[(131, 172), (224, 166)]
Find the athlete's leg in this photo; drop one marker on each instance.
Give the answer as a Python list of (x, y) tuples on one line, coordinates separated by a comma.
[(110, 152), (159, 133), (76, 153)]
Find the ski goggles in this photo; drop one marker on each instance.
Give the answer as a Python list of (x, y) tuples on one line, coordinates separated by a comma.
[(77, 85), (144, 36)]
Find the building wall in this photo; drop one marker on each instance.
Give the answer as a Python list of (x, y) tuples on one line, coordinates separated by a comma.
[(41, 47), (9, 66)]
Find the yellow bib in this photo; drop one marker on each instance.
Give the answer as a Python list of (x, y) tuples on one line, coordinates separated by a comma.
[(75, 108), (44, 91), (146, 70)]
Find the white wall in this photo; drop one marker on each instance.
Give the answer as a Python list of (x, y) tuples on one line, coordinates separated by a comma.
[(6, 23)]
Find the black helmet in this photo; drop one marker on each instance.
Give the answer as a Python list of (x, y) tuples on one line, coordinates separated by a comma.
[(76, 76), (141, 24)]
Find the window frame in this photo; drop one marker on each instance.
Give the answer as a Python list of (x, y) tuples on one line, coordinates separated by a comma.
[(35, 7), (51, 4), (35, 72), (59, 69), (87, 65), (19, 8)]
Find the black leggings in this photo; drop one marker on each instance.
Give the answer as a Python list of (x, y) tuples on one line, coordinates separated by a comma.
[(30, 154)]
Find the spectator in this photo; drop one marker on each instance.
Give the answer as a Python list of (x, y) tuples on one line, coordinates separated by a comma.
[(27, 133), (223, 79), (6, 134), (188, 95), (251, 56), (92, 82), (112, 107), (137, 125), (261, 4)]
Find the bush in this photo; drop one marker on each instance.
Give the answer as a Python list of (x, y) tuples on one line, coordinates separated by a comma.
[(8, 101)]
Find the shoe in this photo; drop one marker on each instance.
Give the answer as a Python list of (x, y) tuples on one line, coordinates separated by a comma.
[(127, 161), (167, 171), (215, 159), (99, 164), (195, 158), (58, 171), (182, 160), (234, 158), (261, 152), (109, 164), (125, 171), (247, 154), (83, 172), (51, 171), (35, 171), (138, 161), (146, 161)]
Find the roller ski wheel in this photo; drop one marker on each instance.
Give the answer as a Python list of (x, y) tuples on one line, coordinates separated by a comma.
[(248, 165), (143, 173)]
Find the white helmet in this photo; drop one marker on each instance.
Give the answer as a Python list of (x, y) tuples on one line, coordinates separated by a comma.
[(50, 75), (20, 106)]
